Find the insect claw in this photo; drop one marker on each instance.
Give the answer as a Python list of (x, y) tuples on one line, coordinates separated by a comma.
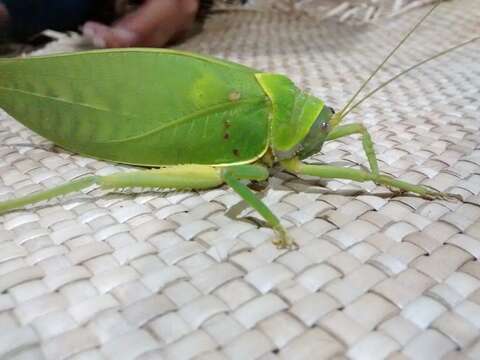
[(450, 197), (294, 246), (437, 195), (395, 191), (283, 241), (457, 197), (283, 244)]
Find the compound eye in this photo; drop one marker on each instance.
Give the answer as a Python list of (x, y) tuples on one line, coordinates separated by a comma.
[(324, 126)]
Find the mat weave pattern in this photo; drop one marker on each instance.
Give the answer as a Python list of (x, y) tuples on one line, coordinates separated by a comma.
[(177, 276)]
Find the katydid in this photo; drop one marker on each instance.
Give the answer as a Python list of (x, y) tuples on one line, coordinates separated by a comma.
[(200, 122)]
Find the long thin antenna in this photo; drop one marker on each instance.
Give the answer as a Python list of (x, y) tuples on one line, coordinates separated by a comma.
[(408, 70), (339, 116)]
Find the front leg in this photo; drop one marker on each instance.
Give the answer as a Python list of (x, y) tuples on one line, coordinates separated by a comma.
[(337, 172), (387, 181), (367, 143)]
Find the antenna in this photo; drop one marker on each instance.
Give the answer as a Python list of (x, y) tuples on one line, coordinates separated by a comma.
[(337, 118), (407, 71)]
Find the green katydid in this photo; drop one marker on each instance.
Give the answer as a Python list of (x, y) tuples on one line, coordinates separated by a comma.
[(200, 122)]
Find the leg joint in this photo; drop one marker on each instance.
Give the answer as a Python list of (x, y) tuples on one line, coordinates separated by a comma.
[(249, 172)]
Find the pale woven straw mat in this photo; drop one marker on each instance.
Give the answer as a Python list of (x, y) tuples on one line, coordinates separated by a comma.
[(194, 276)]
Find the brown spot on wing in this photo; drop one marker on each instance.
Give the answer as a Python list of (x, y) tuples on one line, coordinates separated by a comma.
[(234, 96)]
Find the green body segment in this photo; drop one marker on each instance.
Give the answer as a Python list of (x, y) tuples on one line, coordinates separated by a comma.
[(144, 107), (294, 111)]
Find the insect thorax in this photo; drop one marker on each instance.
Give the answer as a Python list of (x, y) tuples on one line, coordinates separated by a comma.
[(294, 114)]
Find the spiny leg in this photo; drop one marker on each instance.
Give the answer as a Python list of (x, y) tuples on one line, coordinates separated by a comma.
[(181, 177), (367, 143), (231, 175), (368, 147), (64, 189), (204, 177), (184, 177), (336, 172)]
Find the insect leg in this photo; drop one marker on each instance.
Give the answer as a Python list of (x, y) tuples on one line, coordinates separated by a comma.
[(178, 177), (337, 172), (346, 130), (232, 175), (182, 177), (70, 187), (204, 177)]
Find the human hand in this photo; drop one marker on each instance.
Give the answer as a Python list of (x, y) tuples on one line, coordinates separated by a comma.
[(3, 15), (154, 24)]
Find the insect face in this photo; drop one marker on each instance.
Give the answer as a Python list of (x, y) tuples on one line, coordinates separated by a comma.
[(313, 142)]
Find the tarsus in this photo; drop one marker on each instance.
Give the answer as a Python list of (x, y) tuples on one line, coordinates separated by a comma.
[(70, 187)]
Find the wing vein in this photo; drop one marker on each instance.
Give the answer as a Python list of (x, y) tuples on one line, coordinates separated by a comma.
[(96, 108), (184, 119)]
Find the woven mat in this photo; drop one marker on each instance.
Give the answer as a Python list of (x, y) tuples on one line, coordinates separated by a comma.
[(179, 276)]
